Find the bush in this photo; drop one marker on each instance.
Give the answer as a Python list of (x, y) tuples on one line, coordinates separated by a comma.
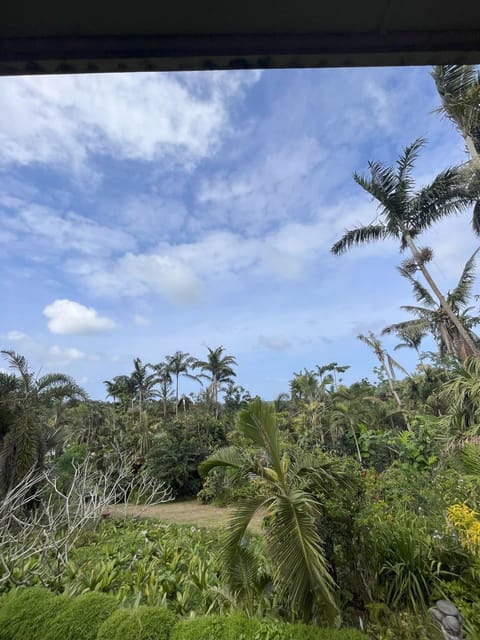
[(239, 627), (82, 617), (26, 614), (204, 628), (144, 623), (309, 632)]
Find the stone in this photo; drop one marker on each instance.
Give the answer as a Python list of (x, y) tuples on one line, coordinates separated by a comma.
[(452, 624), (447, 608)]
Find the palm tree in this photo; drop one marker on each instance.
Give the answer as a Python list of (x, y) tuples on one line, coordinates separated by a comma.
[(218, 369), (405, 213), (163, 377), (121, 387), (387, 363), (459, 89), (179, 365), (432, 317), (35, 404), (290, 490), (143, 383), (462, 396)]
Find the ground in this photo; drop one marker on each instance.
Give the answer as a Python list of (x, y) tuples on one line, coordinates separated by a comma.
[(187, 512)]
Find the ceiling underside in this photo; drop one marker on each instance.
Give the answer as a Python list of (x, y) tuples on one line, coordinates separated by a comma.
[(91, 37)]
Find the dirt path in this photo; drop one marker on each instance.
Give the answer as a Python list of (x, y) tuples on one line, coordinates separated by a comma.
[(188, 512)]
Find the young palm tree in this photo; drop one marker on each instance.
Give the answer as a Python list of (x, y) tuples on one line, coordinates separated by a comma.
[(405, 213), (218, 369), (300, 570), (35, 405), (179, 365), (432, 317)]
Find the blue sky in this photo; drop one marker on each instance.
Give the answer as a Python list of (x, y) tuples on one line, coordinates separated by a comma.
[(149, 213)]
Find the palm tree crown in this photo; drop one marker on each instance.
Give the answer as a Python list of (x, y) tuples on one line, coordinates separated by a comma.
[(403, 213), (217, 368)]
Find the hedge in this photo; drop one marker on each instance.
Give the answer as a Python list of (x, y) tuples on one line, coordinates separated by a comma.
[(144, 623), (27, 614), (203, 628), (82, 617)]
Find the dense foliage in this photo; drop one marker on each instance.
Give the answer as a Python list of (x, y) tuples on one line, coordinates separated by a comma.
[(368, 492)]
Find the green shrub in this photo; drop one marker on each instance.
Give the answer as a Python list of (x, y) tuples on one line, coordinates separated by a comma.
[(143, 623), (82, 617), (26, 614), (310, 632), (204, 628), (239, 627)]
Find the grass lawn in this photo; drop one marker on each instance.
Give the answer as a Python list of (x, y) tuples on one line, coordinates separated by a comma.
[(187, 512)]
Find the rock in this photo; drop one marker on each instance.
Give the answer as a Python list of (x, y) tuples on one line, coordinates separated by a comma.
[(452, 624), (447, 608), (438, 615)]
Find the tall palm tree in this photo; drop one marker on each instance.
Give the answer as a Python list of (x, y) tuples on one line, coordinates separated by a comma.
[(290, 487), (459, 90), (217, 368), (432, 317), (405, 213), (163, 378), (179, 365), (143, 382), (35, 404), (387, 363)]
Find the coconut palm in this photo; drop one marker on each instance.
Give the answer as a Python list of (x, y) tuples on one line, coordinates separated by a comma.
[(179, 365), (289, 493), (432, 317), (405, 213), (36, 404), (217, 368)]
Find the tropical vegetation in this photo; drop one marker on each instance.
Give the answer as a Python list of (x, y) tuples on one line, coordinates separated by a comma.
[(368, 492)]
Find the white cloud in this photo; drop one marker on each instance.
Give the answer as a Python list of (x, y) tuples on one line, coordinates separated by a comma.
[(135, 275), (17, 336), (68, 317), (63, 356), (66, 231), (58, 120)]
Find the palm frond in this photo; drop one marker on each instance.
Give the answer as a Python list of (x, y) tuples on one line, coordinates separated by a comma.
[(19, 363), (258, 422), (463, 291), (236, 528), (421, 293), (227, 457), (447, 194), (360, 235), (301, 572)]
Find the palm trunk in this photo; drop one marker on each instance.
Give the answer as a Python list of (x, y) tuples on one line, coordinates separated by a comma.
[(463, 333), (390, 383), (176, 397)]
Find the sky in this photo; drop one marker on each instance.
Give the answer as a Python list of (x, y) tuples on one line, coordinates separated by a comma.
[(141, 214)]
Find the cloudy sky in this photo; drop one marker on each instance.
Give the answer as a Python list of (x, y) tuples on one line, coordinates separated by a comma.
[(149, 213)]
